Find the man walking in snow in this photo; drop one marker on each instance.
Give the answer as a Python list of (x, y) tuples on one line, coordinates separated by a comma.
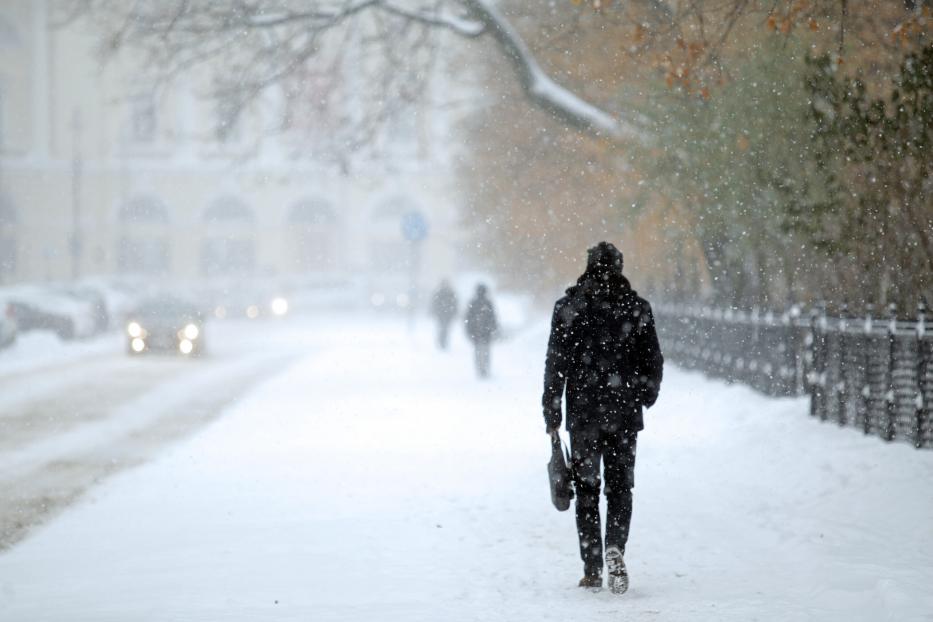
[(604, 351), (481, 327), (444, 310)]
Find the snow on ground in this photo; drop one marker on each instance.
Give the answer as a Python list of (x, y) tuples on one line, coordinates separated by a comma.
[(378, 480), (36, 349)]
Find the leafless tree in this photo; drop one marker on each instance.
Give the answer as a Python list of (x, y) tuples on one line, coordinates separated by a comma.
[(260, 44)]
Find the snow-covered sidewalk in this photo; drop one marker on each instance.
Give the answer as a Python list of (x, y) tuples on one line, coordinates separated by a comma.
[(378, 480)]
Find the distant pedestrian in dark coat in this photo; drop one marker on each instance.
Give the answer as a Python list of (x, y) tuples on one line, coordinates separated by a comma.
[(481, 328), (444, 309), (604, 351)]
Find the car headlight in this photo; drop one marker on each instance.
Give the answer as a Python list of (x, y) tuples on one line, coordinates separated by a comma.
[(191, 332), (133, 329), (279, 306), (185, 347)]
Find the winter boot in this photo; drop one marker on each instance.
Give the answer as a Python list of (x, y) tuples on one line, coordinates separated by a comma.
[(591, 580), (618, 575)]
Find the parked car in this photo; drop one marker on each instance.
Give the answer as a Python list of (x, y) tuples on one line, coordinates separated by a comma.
[(91, 296), (8, 328), (35, 307), (168, 324), (120, 299)]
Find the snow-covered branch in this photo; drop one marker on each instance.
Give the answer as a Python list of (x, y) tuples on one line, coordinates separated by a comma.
[(179, 35), (460, 25), (542, 90)]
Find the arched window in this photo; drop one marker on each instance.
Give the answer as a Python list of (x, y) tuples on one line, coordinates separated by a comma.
[(389, 252), (143, 245), (229, 246), (313, 227)]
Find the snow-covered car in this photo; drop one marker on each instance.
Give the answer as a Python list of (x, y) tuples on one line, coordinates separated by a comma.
[(39, 308), (91, 296), (119, 299), (166, 324), (8, 328)]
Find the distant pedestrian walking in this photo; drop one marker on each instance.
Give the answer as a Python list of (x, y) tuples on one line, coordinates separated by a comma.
[(444, 309), (481, 328), (604, 351)]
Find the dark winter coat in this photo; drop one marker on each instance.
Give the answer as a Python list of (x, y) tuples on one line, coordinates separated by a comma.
[(604, 349), (481, 324), (444, 304)]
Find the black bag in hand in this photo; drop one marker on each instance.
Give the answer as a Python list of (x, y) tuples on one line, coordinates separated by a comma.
[(558, 470)]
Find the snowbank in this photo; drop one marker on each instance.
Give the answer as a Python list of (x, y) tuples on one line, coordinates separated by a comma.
[(378, 480)]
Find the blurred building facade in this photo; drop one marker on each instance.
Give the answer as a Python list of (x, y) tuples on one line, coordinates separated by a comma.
[(99, 175)]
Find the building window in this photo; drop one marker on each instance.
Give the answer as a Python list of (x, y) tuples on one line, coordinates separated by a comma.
[(143, 246), (313, 234), (229, 247), (143, 121)]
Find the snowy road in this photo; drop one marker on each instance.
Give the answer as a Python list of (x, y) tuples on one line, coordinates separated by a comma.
[(377, 480), (71, 414)]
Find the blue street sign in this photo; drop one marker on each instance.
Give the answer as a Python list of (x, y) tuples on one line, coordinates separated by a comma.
[(414, 226)]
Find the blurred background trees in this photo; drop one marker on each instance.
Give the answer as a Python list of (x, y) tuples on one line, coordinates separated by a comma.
[(789, 160), (741, 152)]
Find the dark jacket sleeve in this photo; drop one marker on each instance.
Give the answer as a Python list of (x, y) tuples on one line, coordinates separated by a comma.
[(651, 361), (555, 369)]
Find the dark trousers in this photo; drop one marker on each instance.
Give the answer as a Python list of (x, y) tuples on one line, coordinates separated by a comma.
[(616, 450), (443, 332), (481, 358)]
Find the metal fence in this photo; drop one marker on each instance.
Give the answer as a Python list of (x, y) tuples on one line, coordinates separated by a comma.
[(870, 373)]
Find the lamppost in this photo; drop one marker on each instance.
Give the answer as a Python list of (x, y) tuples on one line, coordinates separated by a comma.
[(75, 241)]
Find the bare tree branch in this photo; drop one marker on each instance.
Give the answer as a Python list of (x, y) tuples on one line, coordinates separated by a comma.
[(176, 35), (459, 25), (543, 91)]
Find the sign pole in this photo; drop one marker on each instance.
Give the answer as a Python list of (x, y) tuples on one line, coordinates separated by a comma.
[(415, 230)]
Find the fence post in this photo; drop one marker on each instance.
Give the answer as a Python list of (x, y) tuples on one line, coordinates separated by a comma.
[(920, 414), (841, 385), (768, 371), (866, 366), (890, 429), (816, 376), (823, 359), (809, 343), (795, 351), (784, 369)]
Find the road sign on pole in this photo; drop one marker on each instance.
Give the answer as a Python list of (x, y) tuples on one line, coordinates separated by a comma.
[(414, 230), (414, 226)]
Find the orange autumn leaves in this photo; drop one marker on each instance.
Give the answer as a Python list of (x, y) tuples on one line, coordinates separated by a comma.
[(693, 49)]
